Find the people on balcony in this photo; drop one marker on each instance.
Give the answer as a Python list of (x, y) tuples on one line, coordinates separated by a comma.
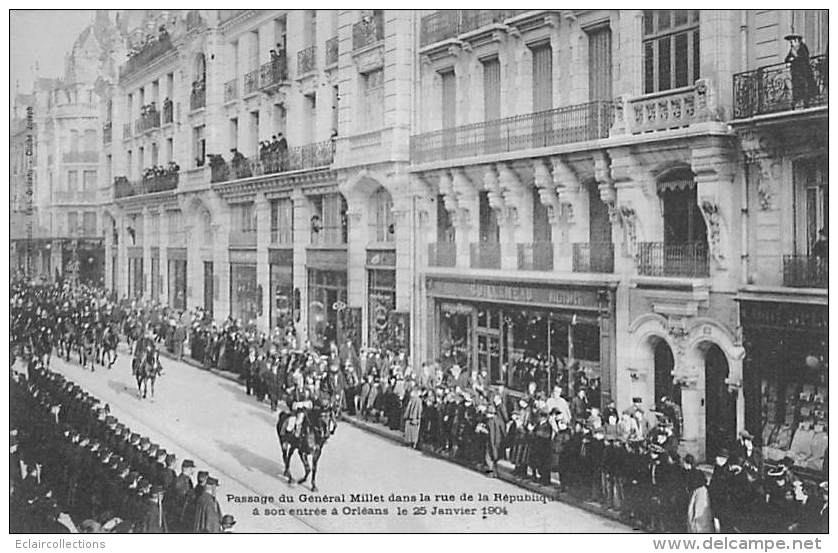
[(273, 154), (803, 85), (278, 64), (820, 249), (150, 40)]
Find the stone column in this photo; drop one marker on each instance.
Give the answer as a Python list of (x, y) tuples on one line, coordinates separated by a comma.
[(572, 216), (467, 220), (122, 257), (108, 241), (147, 226), (263, 271), (164, 258), (356, 252), (302, 238), (221, 260)]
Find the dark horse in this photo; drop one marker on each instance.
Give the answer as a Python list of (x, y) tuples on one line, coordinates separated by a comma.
[(106, 347), (313, 433), (146, 369)]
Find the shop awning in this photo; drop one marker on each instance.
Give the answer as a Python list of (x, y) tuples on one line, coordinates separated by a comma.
[(675, 184)]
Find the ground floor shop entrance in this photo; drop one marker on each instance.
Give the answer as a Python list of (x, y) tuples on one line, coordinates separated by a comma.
[(786, 381), (519, 334), (176, 272), (281, 288)]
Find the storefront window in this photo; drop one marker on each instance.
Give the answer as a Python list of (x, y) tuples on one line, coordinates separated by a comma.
[(244, 292), (282, 295), (177, 283), (382, 301), (327, 296), (517, 346), (455, 335)]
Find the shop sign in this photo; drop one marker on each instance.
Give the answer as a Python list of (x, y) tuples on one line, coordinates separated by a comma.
[(176, 253), (327, 259), (379, 258), (784, 316), (243, 256), (475, 290), (284, 256)]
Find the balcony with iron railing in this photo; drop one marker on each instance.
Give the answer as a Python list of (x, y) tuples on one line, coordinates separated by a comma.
[(198, 95), (107, 132), (774, 89), (309, 156), (565, 125), (485, 255), (148, 53), (159, 183), (231, 90), (368, 31), (306, 60), (448, 24), (148, 121), (332, 51), (251, 82), (593, 258), (274, 73), (442, 254), (535, 256), (243, 238), (673, 260), (80, 157), (804, 271)]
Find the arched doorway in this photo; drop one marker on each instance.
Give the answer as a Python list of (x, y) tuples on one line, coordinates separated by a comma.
[(664, 364), (720, 403)]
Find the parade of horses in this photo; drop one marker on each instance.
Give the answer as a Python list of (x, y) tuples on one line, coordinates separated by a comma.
[(85, 325)]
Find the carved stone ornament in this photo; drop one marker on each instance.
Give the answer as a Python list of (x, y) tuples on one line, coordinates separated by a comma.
[(767, 176), (713, 219), (628, 220), (677, 328), (686, 377)]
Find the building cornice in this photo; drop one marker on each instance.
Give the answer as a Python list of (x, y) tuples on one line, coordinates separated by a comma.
[(239, 19), (267, 183)]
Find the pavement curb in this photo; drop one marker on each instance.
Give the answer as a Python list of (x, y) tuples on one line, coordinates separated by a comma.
[(503, 471)]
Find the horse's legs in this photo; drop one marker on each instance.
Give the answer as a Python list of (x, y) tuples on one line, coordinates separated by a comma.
[(315, 457), (152, 385), (304, 459)]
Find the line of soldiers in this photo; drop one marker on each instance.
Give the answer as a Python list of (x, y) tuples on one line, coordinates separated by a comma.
[(69, 451)]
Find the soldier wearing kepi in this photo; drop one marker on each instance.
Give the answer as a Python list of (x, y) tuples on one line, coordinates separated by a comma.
[(151, 520)]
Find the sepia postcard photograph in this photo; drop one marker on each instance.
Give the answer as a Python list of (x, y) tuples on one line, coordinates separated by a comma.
[(419, 271)]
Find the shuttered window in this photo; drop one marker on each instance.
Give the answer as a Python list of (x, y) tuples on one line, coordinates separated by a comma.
[(449, 100), (599, 63), (491, 89), (542, 77)]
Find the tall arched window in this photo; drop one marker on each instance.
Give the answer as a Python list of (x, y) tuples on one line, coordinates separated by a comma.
[(201, 67)]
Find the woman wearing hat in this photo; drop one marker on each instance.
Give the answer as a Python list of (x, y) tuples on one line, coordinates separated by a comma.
[(803, 85)]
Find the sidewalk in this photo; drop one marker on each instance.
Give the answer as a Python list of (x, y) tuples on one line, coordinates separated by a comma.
[(503, 469)]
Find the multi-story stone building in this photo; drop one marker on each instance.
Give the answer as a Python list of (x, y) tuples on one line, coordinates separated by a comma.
[(24, 255), (65, 186), (629, 199), (565, 233), (290, 130)]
